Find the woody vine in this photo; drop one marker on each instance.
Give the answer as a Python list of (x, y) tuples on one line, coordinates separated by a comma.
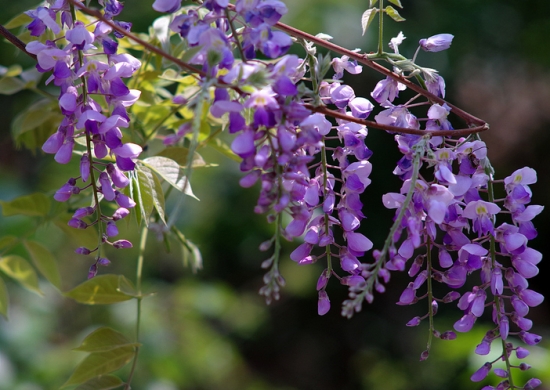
[(301, 133)]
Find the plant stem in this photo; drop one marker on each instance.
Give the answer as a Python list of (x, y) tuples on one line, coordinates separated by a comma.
[(381, 27), (139, 297), (505, 357)]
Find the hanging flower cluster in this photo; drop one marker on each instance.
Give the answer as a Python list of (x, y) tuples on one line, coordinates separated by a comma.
[(315, 171), (312, 170), (87, 69)]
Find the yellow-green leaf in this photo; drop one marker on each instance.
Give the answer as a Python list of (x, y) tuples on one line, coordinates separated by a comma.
[(100, 290), (396, 2), (100, 363), (19, 269), (104, 382), (372, 3), (104, 339), (34, 205), (170, 171), (367, 18), (144, 195), (392, 13), (179, 155), (44, 261), (4, 301), (18, 21)]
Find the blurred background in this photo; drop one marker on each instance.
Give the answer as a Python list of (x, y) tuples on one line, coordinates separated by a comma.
[(211, 330)]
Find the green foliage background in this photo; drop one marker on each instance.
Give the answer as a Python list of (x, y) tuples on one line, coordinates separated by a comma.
[(211, 330)]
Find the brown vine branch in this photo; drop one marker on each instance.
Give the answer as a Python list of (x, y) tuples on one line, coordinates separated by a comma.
[(98, 15), (361, 58), (395, 129), (478, 124), (15, 41)]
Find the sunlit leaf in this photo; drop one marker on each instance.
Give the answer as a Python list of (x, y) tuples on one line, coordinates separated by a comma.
[(35, 205), (170, 171), (396, 2), (100, 363), (13, 71), (4, 300), (100, 290), (104, 339), (18, 21), (104, 382), (156, 192), (179, 155), (19, 269), (392, 13), (44, 261), (372, 3), (367, 18), (144, 195)]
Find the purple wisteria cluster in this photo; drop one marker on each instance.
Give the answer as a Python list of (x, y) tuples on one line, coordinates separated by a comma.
[(282, 144), (312, 173), (93, 98), (311, 170), (453, 215)]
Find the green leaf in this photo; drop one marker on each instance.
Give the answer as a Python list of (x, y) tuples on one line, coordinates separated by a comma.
[(223, 148), (104, 382), (396, 2), (179, 155), (100, 290), (7, 242), (35, 205), (392, 13), (11, 85), (4, 300), (189, 249), (190, 53), (144, 195), (170, 171), (104, 339), (19, 269), (372, 3), (40, 119), (13, 71), (44, 261), (367, 18), (86, 237), (133, 192), (18, 21), (156, 192), (100, 363)]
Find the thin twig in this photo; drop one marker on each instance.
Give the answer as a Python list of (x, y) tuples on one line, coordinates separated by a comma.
[(361, 58), (395, 129), (15, 41)]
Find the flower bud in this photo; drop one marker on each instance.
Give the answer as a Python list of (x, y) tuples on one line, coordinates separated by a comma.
[(120, 244), (111, 229), (77, 223), (436, 43), (82, 251)]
